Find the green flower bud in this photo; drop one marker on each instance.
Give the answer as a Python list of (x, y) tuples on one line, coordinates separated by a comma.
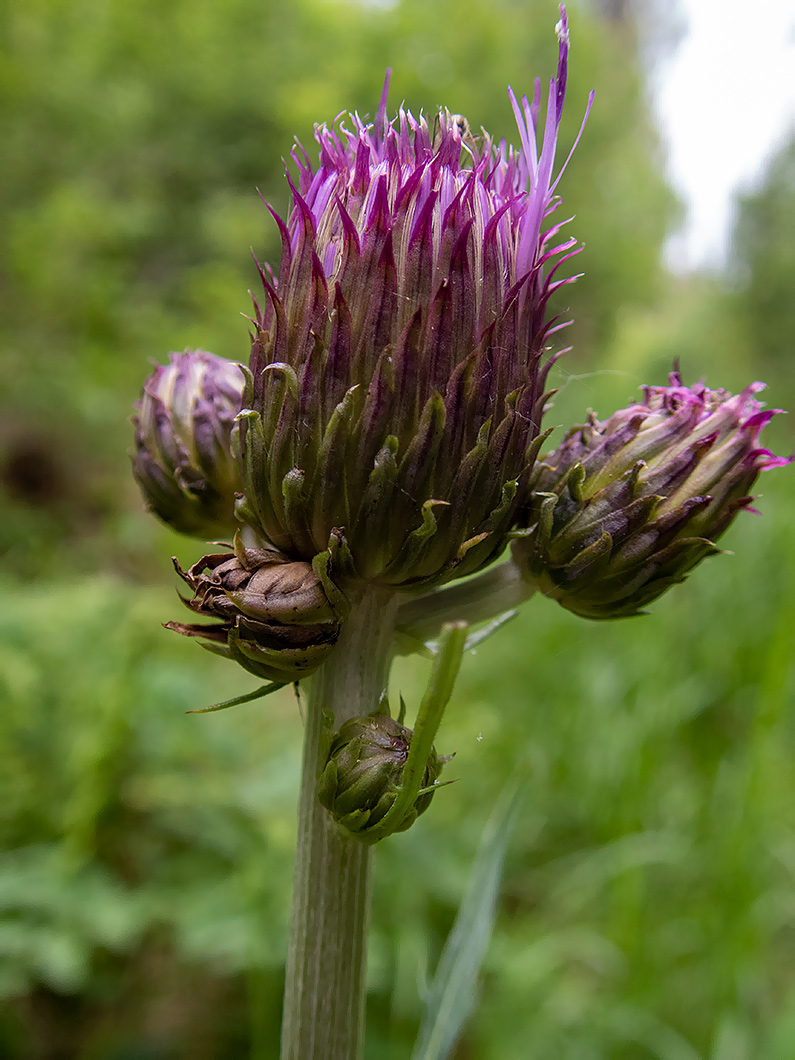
[(623, 509), (364, 770), (182, 460), (276, 619)]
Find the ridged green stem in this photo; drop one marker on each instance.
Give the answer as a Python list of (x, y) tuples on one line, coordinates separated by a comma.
[(325, 987)]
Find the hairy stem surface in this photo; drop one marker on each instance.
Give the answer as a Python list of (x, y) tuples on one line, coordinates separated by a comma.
[(325, 986)]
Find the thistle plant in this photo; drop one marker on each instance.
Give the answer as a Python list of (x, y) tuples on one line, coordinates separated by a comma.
[(382, 443)]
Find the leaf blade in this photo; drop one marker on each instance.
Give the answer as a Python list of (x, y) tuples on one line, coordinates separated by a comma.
[(451, 994)]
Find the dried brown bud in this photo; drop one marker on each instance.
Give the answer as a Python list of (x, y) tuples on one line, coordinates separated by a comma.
[(276, 619)]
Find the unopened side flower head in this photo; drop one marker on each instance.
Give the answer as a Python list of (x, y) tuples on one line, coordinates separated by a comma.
[(183, 459), (625, 508), (399, 360)]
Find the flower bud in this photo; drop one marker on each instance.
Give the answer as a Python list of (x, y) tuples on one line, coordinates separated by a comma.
[(276, 620), (182, 460), (625, 508), (364, 771)]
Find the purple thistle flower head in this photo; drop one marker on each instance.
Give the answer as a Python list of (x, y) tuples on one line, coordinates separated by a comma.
[(183, 459), (625, 508), (399, 361)]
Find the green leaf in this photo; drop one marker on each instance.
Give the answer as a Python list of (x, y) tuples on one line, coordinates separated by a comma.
[(440, 687), (451, 995), (258, 693)]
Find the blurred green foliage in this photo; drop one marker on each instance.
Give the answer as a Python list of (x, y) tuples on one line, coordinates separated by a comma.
[(647, 908), (764, 257), (145, 855)]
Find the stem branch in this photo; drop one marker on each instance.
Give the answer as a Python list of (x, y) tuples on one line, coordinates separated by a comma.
[(493, 592)]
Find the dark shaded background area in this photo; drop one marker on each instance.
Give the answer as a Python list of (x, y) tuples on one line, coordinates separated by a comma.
[(146, 856)]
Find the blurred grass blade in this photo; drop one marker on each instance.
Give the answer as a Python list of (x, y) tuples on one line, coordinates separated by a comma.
[(450, 997)]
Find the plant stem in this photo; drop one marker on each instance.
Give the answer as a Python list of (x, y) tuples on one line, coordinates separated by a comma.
[(477, 599), (325, 986)]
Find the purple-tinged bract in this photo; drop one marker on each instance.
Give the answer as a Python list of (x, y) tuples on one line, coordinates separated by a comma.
[(183, 459), (625, 508), (399, 360)]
